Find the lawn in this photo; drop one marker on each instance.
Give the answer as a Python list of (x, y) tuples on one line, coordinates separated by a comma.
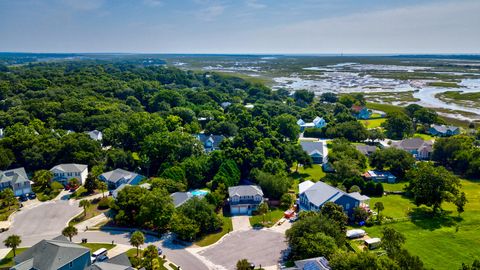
[(6, 211), (7, 261), (214, 237), (92, 211), (441, 242), (394, 187), (423, 136), (314, 173), (373, 123), (385, 107), (272, 217)]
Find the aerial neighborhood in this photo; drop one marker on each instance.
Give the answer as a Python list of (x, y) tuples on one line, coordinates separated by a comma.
[(152, 167)]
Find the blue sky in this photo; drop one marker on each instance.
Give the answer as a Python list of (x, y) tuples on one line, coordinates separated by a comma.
[(241, 26)]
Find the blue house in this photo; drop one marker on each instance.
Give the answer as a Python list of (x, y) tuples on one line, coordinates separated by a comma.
[(444, 131), (119, 177), (210, 142), (361, 112), (316, 150), (314, 195), (58, 253), (380, 176), (318, 122)]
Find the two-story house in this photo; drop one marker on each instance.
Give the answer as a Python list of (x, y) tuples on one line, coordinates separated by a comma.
[(312, 196), (317, 150), (17, 180), (58, 254), (318, 122), (244, 199), (64, 172), (419, 148), (118, 177)]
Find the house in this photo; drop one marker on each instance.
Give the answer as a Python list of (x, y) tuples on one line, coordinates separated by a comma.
[(380, 176), (315, 195), (58, 253), (367, 150), (443, 130), (361, 112), (244, 199), (17, 180), (180, 198), (210, 142), (118, 177), (64, 172), (95, 135), (318, 122), (119, 262), (318, 263), (317, 150), (419, 148)]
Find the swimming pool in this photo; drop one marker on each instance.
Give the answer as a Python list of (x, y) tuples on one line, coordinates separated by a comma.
[(198, 192)]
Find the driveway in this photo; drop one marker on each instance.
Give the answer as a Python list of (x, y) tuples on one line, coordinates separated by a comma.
[(258, 246), (241, 223), (175, 253), (46, 220)]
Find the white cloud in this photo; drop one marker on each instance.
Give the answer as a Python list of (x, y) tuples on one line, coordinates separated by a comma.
[(255, 4), (153, 3), (211, 12), (84, 5)]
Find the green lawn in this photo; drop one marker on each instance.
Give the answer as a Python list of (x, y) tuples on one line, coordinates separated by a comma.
[(7, 261), (214, 237), (92, 211), (426, 137), (385, 107), (314, 173), (96, 246), (441, 242), (273, 216), (6, 211), (373, 123), (394, 187)]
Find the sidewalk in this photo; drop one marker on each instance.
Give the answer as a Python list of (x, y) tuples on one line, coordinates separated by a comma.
[(92, 222), (4, 252)]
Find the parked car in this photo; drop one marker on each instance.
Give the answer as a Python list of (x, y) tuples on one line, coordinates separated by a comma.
[(23, 198), (160, 251), (32, 196)]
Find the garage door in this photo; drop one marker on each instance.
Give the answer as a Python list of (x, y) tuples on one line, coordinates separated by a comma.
[(239, 210)]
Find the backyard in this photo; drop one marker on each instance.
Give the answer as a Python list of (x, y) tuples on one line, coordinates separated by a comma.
[(442, 242), (373, 123)]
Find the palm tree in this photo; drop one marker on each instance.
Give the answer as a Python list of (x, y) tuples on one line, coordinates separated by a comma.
[(102, 186), (70, 231), (243, 264), (137, 239), (13, 241), (379, 207), (263, 209), (85, 204)]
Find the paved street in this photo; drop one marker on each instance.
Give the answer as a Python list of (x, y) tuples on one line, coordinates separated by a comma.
[(258, 246), (41, 221), (175, 253)]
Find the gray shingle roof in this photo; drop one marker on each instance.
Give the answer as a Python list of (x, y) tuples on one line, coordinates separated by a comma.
[(14, 176), (247, 190), (119, 174), (180, 198), (214, 139), (51, 254), (319, 263), (95, 135), (366, 149), (444, 128), (320, 193), (412, 144), (70, 167), (312, 147)]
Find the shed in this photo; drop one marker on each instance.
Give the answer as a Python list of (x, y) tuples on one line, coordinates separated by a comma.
[(373, 243)]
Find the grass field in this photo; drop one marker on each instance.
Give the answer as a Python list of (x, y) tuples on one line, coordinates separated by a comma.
[(444, 84), (441, 242), (214, 237), (96, 246), (423, 136), (270, 219), (7, 261), (314, 173), (385, 107), (394, 187), (373, 123)]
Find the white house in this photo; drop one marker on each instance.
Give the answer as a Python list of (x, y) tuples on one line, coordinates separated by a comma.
[(244, 199), (64, 172), (95, 135)]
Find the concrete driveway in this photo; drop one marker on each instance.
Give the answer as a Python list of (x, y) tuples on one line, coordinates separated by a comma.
[(46, 220), (175, 253), (241, 223), (258, 246)]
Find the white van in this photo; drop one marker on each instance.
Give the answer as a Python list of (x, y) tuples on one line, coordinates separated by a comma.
[(99, 255)]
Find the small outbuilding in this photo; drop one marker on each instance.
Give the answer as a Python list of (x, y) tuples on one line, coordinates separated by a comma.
[(373, 243)]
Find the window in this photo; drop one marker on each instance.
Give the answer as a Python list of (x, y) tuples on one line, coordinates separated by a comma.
[(347, 206), (71, 264)]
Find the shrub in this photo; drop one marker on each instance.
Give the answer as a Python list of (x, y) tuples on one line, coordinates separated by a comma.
[(104, 203), (56, 185)]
